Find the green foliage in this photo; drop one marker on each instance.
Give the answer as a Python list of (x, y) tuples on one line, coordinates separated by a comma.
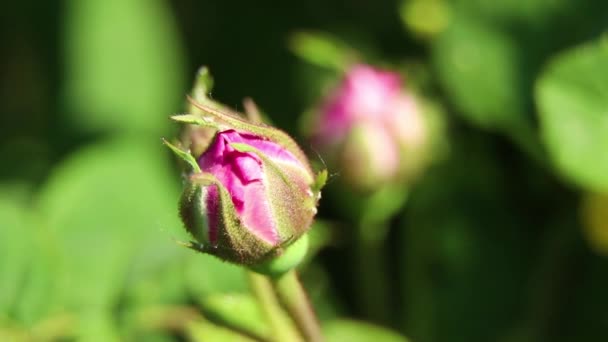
[(97, 225), (221, 308), (15, 238), (321, 49), (345, 330), (572, 97), (133, 42), (492, 242), (474, 59)]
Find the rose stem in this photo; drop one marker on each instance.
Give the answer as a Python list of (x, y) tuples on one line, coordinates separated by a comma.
[(371, 278), (294, 299), (283, 329)]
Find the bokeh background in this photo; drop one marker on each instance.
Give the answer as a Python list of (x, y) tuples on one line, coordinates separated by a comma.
[(503, 238)]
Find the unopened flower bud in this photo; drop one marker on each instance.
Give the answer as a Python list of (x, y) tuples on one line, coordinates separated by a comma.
[(252, 192), (371, 129)]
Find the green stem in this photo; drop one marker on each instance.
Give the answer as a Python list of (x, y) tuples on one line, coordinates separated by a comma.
[(294, 299), (282, 328), (418, 305), (372, 284)]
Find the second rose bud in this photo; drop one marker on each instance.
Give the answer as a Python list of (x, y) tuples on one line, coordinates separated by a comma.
[(371, 129)]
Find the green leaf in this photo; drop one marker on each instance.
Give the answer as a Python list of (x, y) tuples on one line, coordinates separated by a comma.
[(16, 244), (206, 275), (353, 331), (124, 65), (572, 98), (37, 297), (203, 331), (97, 327), (425, 18), (483, 71), (480, 70), (522, 12), (156, 275), (321, 49), (103, 206), (238, 311)]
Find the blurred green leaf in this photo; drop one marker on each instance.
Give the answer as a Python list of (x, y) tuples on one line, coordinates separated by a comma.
[(37, 298), (16, 244), (157, 275), (480, 69), (206, 275), (97, 327), (484, 73), (354, 331), (425, 18), (27, 263), (238, 311), (322, 49), (103, 205), (124, 65), (530, 12), (572, 97), (204, 331)]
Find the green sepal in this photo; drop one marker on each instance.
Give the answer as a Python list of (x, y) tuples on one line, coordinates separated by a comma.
[(235, 243), (320, 181), (235, 121), (203, 83), (194, 120), (192, 213), (291, 257), (183, 155)]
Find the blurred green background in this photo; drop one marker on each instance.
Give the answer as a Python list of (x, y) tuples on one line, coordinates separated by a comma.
[(505, 238)]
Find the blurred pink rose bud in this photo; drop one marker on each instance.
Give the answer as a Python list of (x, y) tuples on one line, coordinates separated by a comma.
[(252, 192), (370, 129)]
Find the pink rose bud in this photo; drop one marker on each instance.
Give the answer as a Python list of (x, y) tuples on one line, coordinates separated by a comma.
[(252, 192), (370, 128)]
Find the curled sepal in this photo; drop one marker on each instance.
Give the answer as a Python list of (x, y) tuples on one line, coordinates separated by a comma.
[(183, 155), (194, 120), (320, 181), (291, 257), (233, 242), (203, 83)]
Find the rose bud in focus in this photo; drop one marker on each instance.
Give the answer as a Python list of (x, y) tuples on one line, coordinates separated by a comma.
[(371, 129), (251, 194)]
